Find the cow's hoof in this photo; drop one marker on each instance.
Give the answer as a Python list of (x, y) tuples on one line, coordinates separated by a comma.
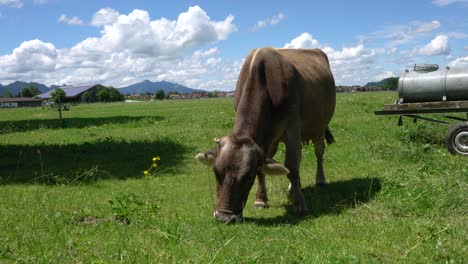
[(320, 183), (301, 210), (260, 205)]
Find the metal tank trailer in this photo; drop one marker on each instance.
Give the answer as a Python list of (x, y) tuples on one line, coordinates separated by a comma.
[(430, 90), (428, 83)]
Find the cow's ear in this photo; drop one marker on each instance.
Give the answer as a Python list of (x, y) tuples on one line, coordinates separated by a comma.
[(271, 167), (207, 158)]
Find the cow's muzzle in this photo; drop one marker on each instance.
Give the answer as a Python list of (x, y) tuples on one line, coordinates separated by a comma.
[(228, 217)]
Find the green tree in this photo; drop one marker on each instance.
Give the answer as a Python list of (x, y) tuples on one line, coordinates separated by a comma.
[(115, 95), (391, 84), (103, 95), (8, 93), (58, 96), (29, 91), (160, 95), (85, 97)]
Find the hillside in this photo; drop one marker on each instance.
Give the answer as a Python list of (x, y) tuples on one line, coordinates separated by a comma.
[(17, 86), (151, 87), (379, 83)]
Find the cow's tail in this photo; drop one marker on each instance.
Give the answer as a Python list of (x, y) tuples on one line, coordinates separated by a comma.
[(329, 136)]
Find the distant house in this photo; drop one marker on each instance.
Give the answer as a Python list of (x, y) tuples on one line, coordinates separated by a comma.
[(75, 93), (20, 102)]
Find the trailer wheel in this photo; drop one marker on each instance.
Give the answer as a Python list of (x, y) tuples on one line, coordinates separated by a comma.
[(457, 139)]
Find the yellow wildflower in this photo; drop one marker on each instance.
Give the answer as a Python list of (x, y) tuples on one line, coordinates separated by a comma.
[(145, 172), (154, 165)]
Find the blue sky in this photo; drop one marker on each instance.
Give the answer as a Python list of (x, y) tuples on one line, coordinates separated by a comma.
[(202, 44)]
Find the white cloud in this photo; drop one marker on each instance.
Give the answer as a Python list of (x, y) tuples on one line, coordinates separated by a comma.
[(459, 61), (407, 33), (448, 2), (438, 46), (71, 21), (30, 60), (385, 75), (425, 27), (456, 35), (138, 34), (131, 48), (303, 41), (465, 48), (347, 64), (41, 2), (12, 3), (105, 16), (271, 21)]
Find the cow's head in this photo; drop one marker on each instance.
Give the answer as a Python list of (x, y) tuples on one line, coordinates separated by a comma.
[(235, 163)]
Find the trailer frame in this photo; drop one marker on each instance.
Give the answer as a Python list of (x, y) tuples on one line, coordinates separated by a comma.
[(457, 135)]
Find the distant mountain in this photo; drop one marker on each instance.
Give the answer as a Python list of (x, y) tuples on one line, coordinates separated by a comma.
[(151, 87), (17, 86), (379, 83)]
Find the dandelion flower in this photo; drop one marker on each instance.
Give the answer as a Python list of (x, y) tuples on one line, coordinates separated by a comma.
[(154, 159), (145, 172), (154, 165)]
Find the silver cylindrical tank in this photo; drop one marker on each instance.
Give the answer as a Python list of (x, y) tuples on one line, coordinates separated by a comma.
[(433, 84)]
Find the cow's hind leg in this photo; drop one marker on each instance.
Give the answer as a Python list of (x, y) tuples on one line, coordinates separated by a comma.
[(261, 200), (319, 147)]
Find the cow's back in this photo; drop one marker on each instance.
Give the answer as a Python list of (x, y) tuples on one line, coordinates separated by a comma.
[(300, 77)]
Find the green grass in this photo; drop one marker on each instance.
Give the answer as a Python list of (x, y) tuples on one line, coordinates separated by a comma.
[(78, 194)]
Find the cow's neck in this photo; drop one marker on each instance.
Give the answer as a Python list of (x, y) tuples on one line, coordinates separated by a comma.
[(253, 119)]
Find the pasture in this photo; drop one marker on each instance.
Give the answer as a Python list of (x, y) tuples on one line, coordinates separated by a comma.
[(79, 194)]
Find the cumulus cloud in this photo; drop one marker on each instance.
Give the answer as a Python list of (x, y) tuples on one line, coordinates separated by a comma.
[(271, 21), (448, 2), (425, 27), (459, 61), (347, 63), (105, 16), (438, 46), (70, 20), (131, 47), (138, 34), (406, 33), (303, 41), (30, 60), (12, 3), (385, 75)]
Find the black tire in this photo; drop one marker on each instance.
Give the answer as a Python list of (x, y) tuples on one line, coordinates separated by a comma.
[(457, 139)]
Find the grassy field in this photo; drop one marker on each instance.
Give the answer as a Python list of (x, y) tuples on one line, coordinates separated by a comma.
[(78, 194)]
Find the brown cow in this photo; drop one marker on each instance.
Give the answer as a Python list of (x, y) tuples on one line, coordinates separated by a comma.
[(283, 95)]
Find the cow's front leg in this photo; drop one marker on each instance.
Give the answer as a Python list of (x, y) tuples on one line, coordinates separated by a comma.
[(293, 161), (261, 200)]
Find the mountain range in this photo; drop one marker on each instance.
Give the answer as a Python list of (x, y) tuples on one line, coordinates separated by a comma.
[(16, 87), (137, 88), (152, 87)]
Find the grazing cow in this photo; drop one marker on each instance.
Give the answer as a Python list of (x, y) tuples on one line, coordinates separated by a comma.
[(285, 95)]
